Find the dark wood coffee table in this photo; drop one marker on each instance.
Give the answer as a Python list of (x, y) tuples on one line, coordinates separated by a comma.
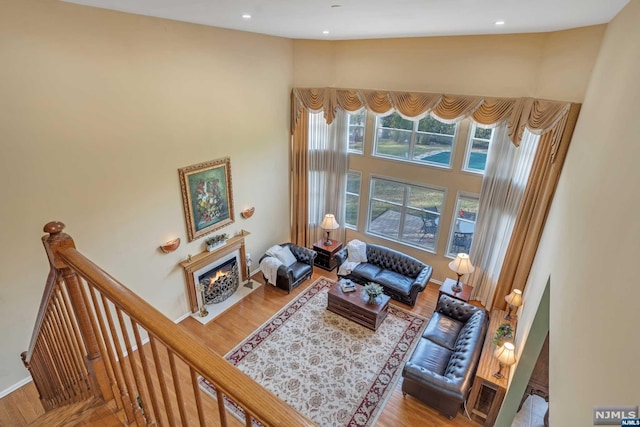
[(354, 306)]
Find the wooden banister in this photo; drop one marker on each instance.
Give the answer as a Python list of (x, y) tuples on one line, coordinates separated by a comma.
[(95, 326)]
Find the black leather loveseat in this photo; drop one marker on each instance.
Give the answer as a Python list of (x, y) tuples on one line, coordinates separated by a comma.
[(401, 276), (441, 369)]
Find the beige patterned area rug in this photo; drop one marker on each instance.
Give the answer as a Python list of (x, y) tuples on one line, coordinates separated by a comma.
[(334, 371)]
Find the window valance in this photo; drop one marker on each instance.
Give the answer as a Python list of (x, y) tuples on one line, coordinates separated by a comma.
[(538, 115)]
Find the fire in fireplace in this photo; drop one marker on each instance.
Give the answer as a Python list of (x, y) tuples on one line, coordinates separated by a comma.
[(221, 281)]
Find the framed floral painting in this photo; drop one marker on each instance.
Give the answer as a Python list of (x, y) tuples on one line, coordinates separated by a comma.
[(207, 196)]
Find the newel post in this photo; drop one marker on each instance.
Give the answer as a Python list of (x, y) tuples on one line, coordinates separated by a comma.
[(54, 243)]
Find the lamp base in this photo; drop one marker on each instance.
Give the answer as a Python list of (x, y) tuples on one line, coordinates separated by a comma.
[(457, 287), (508, 315), (498, 373), (328, 242)]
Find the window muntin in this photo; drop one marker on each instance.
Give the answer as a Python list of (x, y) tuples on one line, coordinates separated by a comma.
[(463, 224), (352, 203), (475, 159), (427, 141), (406, 213), (357, 123)]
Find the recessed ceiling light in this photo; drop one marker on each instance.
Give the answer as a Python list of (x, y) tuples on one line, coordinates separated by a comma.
[(325, 32), (246, 16), (499, 22)]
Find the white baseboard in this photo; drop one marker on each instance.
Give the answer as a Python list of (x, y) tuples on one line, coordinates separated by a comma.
[(16, 386)]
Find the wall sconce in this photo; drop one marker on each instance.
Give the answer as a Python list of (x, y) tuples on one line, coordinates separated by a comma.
[(247, 213), (170, 246)]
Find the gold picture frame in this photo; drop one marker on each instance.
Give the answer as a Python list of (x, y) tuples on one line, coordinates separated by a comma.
[(207, 196)]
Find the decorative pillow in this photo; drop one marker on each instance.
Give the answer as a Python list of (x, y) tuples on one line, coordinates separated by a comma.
[(273, 250), (356, 251), (285, 256)]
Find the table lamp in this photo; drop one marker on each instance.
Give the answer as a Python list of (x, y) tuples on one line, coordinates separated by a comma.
[(514, 299), (506, 356), (329, 223), (461, 265)]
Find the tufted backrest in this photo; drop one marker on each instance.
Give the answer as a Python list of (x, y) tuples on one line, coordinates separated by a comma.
[(456, 309), (394, 261), (467, 344)]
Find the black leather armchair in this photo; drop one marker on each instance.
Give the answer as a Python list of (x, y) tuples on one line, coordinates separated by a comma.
[(291, 276), (441, 369)]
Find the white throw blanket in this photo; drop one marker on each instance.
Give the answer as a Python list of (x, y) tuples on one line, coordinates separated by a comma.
[(269, 267), (347, 267)]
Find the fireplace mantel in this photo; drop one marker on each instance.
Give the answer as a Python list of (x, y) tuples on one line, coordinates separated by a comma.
[(204, 258)]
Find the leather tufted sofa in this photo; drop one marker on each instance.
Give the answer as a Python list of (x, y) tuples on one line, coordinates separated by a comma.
[(291, 276), (401, 276), (441, 369)]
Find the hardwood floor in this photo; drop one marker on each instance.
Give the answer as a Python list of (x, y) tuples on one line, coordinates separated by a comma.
[(22, 407)]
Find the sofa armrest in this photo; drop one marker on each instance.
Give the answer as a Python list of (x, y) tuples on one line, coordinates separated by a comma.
[(434, 381), (341, 257), (423, 278), (456, 309)]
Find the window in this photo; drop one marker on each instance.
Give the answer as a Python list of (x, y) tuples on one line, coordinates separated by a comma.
[(464, 223), (353, 200), (405, 213), (356, 131), (427, 141), (476, 157)]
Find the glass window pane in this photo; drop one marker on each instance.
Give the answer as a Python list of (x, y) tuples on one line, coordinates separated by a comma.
[(476, 159), (352, 203), (434, 142), (351, 211), (433, 125), (393, 143), (395, 121), (425, 199), (385, 219), (356, 131), (353, 183), (420, 228), (463, 225), (388, 191)]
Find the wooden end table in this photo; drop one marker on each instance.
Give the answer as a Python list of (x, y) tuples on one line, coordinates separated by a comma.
[(488, 391), (446, 286), (325, 258), (354, 306)]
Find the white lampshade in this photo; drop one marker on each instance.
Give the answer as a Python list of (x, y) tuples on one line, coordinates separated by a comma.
[(506, 354), (329, 222), (462, 264), (514, 298)]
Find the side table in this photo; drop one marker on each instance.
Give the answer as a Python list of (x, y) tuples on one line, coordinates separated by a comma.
[(463, 295), (325, 258), (488, 391)]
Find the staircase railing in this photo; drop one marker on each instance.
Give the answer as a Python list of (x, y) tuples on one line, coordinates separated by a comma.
[(95, 337)]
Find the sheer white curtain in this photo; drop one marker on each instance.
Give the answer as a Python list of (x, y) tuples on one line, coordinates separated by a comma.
[(328, 164), (504, 182)]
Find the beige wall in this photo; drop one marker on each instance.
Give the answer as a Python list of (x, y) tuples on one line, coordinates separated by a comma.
[(98, 110), (590, 243), (548, 65)]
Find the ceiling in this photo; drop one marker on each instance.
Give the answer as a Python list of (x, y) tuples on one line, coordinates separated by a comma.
[(359, 19)]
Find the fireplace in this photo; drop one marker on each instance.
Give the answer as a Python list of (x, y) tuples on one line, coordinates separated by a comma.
[(197, 267), (220, 279)]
